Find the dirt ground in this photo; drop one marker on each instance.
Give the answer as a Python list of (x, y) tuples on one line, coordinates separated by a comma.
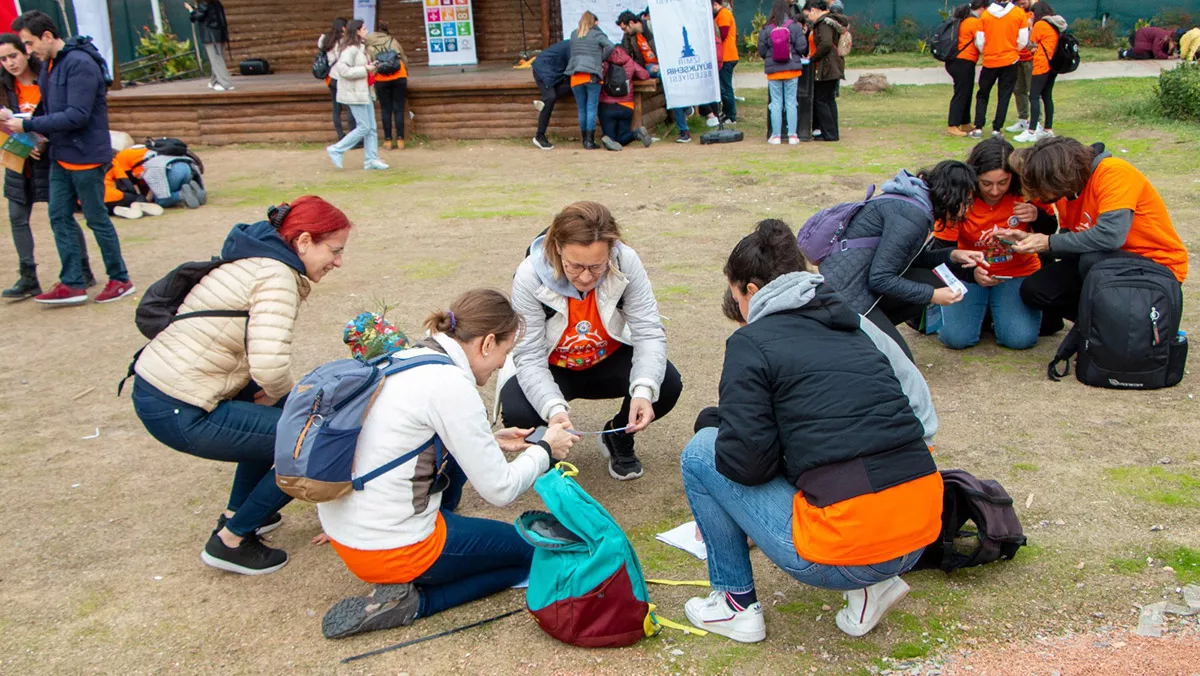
[(100, 568)]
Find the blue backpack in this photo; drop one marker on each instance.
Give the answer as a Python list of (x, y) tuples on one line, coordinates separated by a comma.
[(821, 234), (324, 414)]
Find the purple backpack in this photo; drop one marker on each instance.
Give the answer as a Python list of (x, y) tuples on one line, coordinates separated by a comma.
[(781, 43), (821, 235)]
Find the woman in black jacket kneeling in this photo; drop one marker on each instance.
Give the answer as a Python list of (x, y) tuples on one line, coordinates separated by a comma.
[(819, 452)]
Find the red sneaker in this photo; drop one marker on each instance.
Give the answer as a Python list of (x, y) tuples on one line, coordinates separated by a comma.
[(61, 294), (115, 290)]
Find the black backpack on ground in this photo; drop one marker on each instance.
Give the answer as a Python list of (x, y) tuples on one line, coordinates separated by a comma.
[(166, 145), (944, 42), (1065, 58), (997, 533), (616, 81), (256, 66), (388, 62), (1127, 335), (321, 65)]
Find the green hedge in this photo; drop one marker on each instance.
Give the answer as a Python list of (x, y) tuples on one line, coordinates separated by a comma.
[(1178, 92)]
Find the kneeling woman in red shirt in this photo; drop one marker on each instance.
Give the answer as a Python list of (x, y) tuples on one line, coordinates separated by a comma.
[(820, 453), (998, 206)]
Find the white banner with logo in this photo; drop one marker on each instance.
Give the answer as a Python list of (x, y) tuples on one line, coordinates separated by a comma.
[(91, 19), (450, 31), (365, 11), (687, 51), (606, 12)]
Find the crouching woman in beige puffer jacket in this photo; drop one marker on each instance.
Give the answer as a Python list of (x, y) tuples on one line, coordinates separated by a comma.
[(213, 387)]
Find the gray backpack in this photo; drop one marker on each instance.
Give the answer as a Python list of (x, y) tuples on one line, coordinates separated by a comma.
[(985, 503), (324, 414)]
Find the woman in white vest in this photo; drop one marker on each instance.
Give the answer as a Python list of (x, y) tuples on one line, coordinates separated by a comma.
[(400, 531), (592, 331)]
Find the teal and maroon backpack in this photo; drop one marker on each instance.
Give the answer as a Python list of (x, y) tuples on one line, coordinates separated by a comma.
[(586, 585)]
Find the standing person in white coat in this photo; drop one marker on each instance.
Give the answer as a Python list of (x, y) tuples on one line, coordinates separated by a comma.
[(592, 332), (400, 532), (354, 91)]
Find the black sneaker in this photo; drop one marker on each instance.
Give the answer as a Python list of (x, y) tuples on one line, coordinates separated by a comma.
[(251, 557), (387, 606), (684, 137), (623, 463), (269, 525), (543, 142)]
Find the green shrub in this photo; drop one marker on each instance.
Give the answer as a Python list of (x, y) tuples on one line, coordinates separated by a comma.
[(749, 47), (1174, 17), (906, 35), (1094, 33), (1178, 92), (176, 56)]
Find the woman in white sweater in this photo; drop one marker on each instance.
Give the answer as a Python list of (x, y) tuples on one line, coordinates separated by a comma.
[(212, 385), (354, 91), (400, 532)]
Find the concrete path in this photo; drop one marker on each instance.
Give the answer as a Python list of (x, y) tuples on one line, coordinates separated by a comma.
[(752, 77)]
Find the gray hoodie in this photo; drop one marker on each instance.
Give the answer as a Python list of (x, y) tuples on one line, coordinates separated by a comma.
[(1108, 234)]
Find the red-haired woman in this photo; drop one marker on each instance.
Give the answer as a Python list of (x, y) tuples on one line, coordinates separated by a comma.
[(212, 386)]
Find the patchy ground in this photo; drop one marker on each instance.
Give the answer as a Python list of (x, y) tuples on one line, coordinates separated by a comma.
[(101, 573)]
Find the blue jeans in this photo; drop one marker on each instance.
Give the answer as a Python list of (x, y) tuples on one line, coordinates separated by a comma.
[(178, 175), (677, 113), (481, 557), (364, 130), (237, 430), (88, 188), (728, 512), (587, 100), (783, 94), (1016, 323)]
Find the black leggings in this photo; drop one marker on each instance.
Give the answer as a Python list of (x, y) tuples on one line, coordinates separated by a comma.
[(825, 111), (1007, 77), (607, 380), (1041, 91), (391, 94), (549, 95), (963, 74)]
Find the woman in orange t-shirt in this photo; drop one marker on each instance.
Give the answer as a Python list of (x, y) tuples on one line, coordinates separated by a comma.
[(997, 288), (962, 67)]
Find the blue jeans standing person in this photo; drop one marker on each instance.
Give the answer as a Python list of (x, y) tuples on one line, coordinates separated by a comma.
[(86, 186), (364, 130), (587, 100), (1016, 324), (783, 94)]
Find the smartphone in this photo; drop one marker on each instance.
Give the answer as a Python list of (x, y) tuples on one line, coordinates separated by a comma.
[(1003, 278), (1006, 241), (536, 435)]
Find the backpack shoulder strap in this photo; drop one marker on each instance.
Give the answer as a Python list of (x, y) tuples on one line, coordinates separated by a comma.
[(401, 365), (434, 442), (1066, 350)]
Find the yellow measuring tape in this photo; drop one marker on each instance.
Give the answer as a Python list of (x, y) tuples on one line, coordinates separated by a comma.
[(675, 625)]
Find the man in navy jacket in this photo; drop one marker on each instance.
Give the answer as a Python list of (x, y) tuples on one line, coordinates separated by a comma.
[(74, 116), (550, 75)]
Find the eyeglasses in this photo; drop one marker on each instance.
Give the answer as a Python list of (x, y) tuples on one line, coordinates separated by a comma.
[(578, 268)]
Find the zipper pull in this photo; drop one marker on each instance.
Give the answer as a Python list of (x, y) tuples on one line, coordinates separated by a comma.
[(1154, 317)]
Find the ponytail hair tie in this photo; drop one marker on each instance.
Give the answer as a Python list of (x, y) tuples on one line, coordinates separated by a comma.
[(453, 321), (276, 214)]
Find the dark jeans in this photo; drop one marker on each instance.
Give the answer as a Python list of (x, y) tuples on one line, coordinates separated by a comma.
[(607, 380), (391, 95), (617, 122), (88, 188), (963, 74), (728, 102), (550, 94), (1041, 92), (481, 557), (890, 312), (1007, 77), (825, 112), (1055, 288), (237, 430), (337, 111), (18, 218)]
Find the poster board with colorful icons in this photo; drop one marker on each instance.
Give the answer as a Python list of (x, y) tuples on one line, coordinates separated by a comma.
[(450, 32)]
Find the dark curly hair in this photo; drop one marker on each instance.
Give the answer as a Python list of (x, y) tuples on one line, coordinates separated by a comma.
[(764, 255), (952, 185), (992, 154)]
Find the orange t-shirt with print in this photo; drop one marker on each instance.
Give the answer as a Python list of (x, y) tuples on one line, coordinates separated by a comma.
[(648, 54), (1117, 184), (394, 566), (1044, 38), (967, 28), (1000, 37), (729, 50), (980, 220), (584, 343), (870, 528), (28, 96)]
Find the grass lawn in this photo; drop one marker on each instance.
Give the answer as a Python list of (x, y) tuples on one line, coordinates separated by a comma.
[(925, 60), (100, 565)]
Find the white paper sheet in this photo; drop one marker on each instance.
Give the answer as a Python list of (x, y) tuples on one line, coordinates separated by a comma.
[(684, 537)]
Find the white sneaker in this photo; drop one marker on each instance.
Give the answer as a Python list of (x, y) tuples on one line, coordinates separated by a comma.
[(376, 165), (127, 212), (866, 607), (211, 85), (219, 88), (773, 141), (712, 121), (976, 133), (1027, 136), (538, 105), (793, 140), (148, 208), (714, 614), (1019, 125), (1044, 133)]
